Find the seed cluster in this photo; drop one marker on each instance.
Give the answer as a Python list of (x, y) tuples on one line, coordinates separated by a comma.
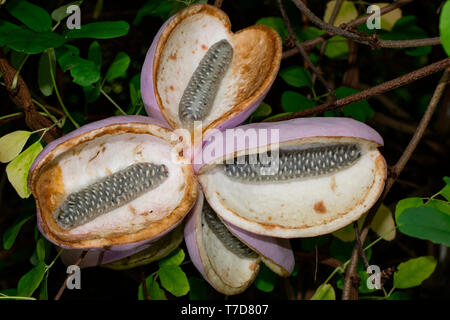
[(225, 236), (291, 164), (109, 193), (198, 97)]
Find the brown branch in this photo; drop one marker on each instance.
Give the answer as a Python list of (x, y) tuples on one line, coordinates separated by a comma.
[(368, 40), (360, 244), (21, 97), (349, 292), (144, 285), (63, 287), (303, 52), (383, 87)]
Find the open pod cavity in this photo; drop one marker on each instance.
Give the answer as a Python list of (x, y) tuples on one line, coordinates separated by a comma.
[(297, 178), (111, 185), (229, 257), (197, 69)]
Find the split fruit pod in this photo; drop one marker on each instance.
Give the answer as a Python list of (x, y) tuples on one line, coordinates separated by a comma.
[(111, 185), (229, 257), (197, 69), (297, 178)]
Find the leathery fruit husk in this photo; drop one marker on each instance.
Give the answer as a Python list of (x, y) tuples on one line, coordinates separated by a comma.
[(111, 185), (229, 257), (327, 173)]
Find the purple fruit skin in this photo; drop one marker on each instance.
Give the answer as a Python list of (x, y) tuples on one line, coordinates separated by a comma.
[(115, 252), (277, 250), (288, 130), (147, 89)]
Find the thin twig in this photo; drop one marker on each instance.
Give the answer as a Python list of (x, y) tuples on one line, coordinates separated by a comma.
[(22, 98), (303, 52), (64, 285), (309, 44), (349, 291), (381, 88), (373, 40)]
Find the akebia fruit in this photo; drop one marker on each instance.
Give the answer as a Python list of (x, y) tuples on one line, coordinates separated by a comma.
[(296, 178), (198, 70), (111, 185), (229, 257)]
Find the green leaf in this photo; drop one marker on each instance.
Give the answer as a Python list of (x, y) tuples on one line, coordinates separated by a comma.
[(413, 272), (445, 192), (100, 30), (347, 12), (156, 8), (29, 14), (17, 170), (92, 92), (12, 144), (95, 54), (10, 235), (337, 48), (174, 259), (383, 223), (28, 41), (29, 282), (292, 101), (174, 280), (198, 289), (296, 76), (444, 27), (360, 110), (84, 72), (61, 12), (44, 78), (263, 110), (308, 33), (40, 249), (406, 203), (426, 223), (440, 205), (324, 292), (118, 67), (154, 290), (275, 23), (43, 292), (266, 279), (399, 295)]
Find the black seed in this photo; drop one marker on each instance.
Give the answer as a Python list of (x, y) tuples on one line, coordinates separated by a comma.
[(292, 164), (109, 193), (224, 235), (197, 99)]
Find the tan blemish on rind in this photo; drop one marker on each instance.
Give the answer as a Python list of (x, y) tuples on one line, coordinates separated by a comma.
[(333, 183), (96, 155), (319, 207)]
